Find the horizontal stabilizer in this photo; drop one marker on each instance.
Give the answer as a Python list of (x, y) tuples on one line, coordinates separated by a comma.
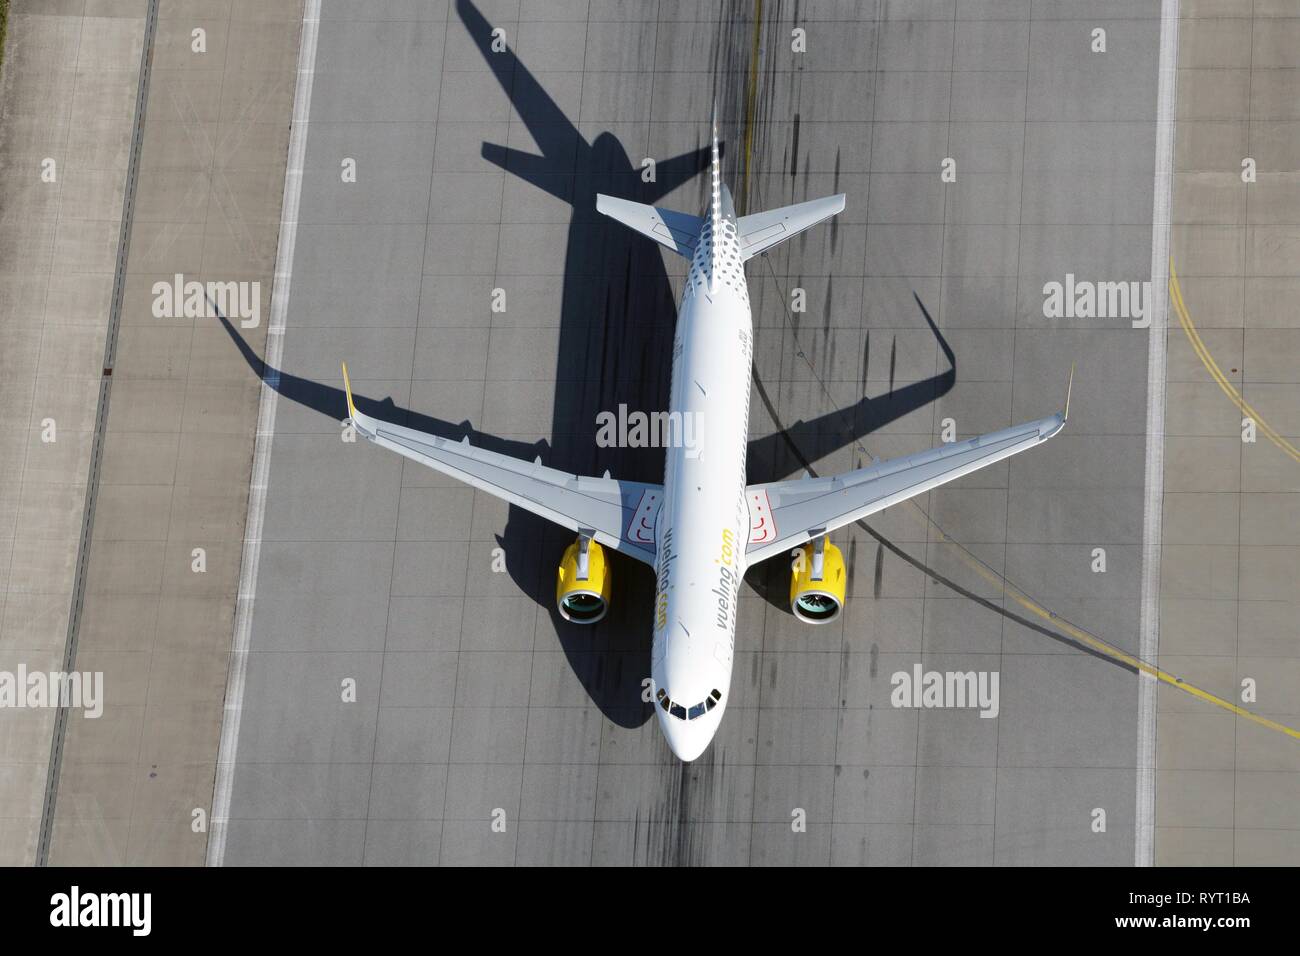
[(677, 231), (763, 230)]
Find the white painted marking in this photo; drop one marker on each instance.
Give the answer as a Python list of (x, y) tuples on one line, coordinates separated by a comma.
[(641, 529), (265, 433), (1154, 488), (762, 524)]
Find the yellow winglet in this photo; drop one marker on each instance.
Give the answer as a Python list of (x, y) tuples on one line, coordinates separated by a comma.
[(347, 388), (1068, 389)]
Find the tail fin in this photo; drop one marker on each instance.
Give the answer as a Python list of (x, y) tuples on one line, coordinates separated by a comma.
[(715, 173), (762, 231), (678, 231)]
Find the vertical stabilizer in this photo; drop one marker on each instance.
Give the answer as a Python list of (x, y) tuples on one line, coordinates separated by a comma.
[(715, 172), (715, 194)]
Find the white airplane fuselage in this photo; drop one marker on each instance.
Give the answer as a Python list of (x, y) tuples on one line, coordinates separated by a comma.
[(704, 522)]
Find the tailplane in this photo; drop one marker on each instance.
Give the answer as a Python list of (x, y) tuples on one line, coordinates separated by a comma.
[(763, 230), (677, 231), (681, 231)]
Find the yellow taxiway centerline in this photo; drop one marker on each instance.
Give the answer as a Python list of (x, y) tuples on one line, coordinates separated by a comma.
[(1097, 643), (1105, 648)]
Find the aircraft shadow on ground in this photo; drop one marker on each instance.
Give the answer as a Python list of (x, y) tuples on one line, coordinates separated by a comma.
[(617, 319)]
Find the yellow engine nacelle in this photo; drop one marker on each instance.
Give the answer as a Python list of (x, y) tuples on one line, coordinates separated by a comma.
[(817, 582), (582, 582)]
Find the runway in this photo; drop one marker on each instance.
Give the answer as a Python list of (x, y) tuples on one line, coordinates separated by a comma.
[(483, 730)]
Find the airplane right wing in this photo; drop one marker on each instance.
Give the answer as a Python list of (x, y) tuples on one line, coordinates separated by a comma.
[(785, 514)]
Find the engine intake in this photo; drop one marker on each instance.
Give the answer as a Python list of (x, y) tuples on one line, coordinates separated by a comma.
[(817, 582), (582, 582)]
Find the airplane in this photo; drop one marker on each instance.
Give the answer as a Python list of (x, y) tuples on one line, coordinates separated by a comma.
[(703, 526)]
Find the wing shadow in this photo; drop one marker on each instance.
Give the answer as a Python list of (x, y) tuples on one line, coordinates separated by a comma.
[(789, 450), (771, 457)]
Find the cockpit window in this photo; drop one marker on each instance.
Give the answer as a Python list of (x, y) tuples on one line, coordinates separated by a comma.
[(685, 713)]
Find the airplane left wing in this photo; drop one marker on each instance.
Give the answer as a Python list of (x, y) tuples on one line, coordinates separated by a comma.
[(785, 514), (617, 514)]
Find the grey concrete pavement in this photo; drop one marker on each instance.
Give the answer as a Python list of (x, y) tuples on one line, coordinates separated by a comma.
[(472, 702), (66, 107), (1226, 788), (163, 562), (412, 697)]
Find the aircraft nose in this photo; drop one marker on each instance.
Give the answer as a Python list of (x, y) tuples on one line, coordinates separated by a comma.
[(686, 740)]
